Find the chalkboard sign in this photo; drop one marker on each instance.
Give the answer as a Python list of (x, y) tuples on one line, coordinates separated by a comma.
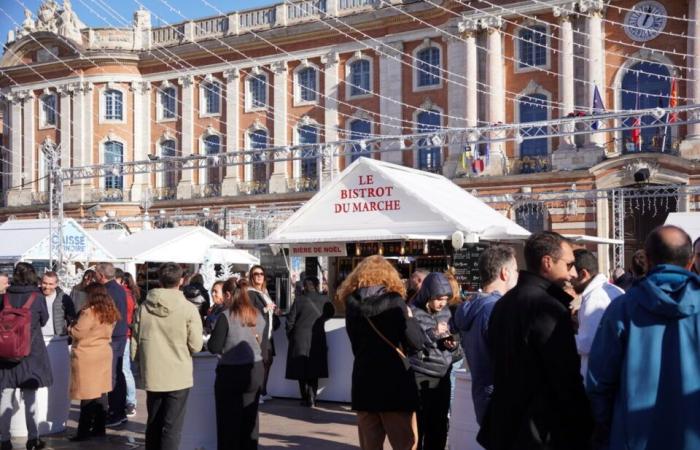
[(466, 264)]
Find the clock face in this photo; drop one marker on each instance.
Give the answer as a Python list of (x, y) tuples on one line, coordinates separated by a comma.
[(646, 21)]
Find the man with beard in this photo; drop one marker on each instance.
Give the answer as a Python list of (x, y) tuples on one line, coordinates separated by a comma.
[(538, 401), (596, 294)]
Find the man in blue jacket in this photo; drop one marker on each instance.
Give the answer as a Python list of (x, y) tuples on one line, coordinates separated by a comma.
[(644, 366)]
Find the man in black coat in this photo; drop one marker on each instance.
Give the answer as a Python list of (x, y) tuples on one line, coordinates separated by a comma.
[(307, 358), (104, 273), (539, 401)]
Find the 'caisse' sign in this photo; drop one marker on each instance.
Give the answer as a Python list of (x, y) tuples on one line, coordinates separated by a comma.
[(368, 197)]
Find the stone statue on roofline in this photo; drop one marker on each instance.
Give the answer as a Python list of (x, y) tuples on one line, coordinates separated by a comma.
[(27, 24), (68, 23), (47, 18)]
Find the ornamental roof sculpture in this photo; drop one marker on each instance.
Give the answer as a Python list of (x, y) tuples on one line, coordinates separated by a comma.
[(50, 18)]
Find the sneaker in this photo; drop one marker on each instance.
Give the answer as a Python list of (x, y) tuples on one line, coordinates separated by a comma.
[(115, 421), (130, 410), (266, 397), (35, 444)]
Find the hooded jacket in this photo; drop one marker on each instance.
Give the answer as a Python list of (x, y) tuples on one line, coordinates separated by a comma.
[(472, 321), (167, 331), (644, 366), (380, 380), (434, 359)]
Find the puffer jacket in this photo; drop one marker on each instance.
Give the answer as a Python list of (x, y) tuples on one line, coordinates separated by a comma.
[(434, 359)]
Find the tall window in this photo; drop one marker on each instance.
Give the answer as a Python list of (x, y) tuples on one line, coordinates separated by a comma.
[(212, 98), (171, 176), (531, 217), (258, 91), (308, 135), (359, 130), (646, 85), (533, 108), (429, 157), (114, 105), (48, 110), (532, 47), (428, 67), (306, 79), (359, 77), (258, 142), (168, 103), (114, 154), (212, 146)]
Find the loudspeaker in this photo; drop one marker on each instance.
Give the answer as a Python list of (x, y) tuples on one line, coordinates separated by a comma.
[(642, 175)]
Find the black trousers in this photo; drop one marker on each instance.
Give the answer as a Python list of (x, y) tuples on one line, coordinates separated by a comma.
[(236, 392), (308, 389), (433, 406), (166, 414), (92, 416), (117, 398)]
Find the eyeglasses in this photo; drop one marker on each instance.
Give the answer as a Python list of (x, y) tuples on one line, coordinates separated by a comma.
[(258, 274), (570, 265)]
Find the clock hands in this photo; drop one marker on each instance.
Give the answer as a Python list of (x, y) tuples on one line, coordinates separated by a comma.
[(648, 11)]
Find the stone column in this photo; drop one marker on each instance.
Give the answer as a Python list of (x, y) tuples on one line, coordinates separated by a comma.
[(456, 99), (15, 179), (64, 93), (470, 29), (566, 70), (73, 192), (330, 95), (142, 132), (29, 145), (185, 187), (233, 92), (496, 86), (280, 170), (391, 112), (690, 147), (596, 60), (88, 124)]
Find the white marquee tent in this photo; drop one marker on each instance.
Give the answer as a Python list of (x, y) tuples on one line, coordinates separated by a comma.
[(689, 221)]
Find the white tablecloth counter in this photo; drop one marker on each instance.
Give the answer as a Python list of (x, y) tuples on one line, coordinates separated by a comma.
[(463, 426), (53, 403), (199, 429)]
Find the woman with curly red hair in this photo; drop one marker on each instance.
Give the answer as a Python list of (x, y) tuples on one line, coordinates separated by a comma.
[(382, 332), (91, 360)]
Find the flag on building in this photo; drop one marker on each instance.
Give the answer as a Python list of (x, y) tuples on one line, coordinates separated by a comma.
[(636, 130), (598, 106), (673, 101)]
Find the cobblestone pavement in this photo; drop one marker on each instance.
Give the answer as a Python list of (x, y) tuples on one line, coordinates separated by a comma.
[(283, 424)]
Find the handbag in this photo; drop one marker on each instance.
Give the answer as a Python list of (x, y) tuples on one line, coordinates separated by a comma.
[(402, 355)]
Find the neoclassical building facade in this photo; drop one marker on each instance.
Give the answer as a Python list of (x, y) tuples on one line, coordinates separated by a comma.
[(309, 72)]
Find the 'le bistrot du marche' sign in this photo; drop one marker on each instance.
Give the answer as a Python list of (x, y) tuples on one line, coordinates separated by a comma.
[(368, 196)]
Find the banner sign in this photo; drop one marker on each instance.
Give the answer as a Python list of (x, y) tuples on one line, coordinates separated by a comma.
[(332, 249)]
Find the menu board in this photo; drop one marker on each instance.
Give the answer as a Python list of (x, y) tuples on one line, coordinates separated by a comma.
[(466, 264)]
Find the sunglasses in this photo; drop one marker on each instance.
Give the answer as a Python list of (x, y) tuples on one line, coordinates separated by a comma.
[(255, 274)]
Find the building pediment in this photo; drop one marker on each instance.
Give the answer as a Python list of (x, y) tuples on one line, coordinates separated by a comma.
[(653, 168), (40, 47)]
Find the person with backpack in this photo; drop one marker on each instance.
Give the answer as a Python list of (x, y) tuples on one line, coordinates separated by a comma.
[(24, 361)]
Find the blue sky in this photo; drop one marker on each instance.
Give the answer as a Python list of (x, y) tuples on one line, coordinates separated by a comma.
[(105, 13)]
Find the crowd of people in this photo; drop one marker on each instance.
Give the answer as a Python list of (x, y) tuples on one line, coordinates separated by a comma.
[(560, 355)]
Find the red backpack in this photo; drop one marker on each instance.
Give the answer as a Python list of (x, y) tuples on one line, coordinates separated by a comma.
[(15, 329)]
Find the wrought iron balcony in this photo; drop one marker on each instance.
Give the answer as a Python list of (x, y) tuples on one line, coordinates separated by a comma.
[(40, 198), (253, 187), (207, 190), (109, 195), (531, 164), (165, 193), (302, 184)]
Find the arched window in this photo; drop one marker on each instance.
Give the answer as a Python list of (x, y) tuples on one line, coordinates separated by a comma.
[(359, 131), (212, 146), (359, 77), (171, 176), (530, 216), (533, 108), (428, 67), (306, 79), (211, 93), (641, 89), (168, 103), (532, 47), (114, 104), (429, 157), (308, 134), (48, 110), (258, 141), (257, 88), (114, 154)]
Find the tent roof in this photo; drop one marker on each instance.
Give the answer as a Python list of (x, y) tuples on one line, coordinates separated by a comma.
[(689, 221), (29, 239), (186, 245), (407, 203)]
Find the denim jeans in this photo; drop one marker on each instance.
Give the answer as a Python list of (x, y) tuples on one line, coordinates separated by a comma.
[(129, 376)]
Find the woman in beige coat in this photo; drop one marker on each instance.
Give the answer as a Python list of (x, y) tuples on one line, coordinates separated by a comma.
[(91, 361)]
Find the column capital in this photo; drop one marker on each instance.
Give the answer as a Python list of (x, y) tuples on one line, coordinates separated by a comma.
[(595, 7), (140, 87), (65, 90), (469, 27), (278, 67), (564, 12), (26, 95), (186, 80), (330, 59), (491, 23), (232, 74)]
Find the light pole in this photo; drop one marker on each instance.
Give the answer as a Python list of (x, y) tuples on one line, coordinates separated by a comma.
[(52, 153)]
